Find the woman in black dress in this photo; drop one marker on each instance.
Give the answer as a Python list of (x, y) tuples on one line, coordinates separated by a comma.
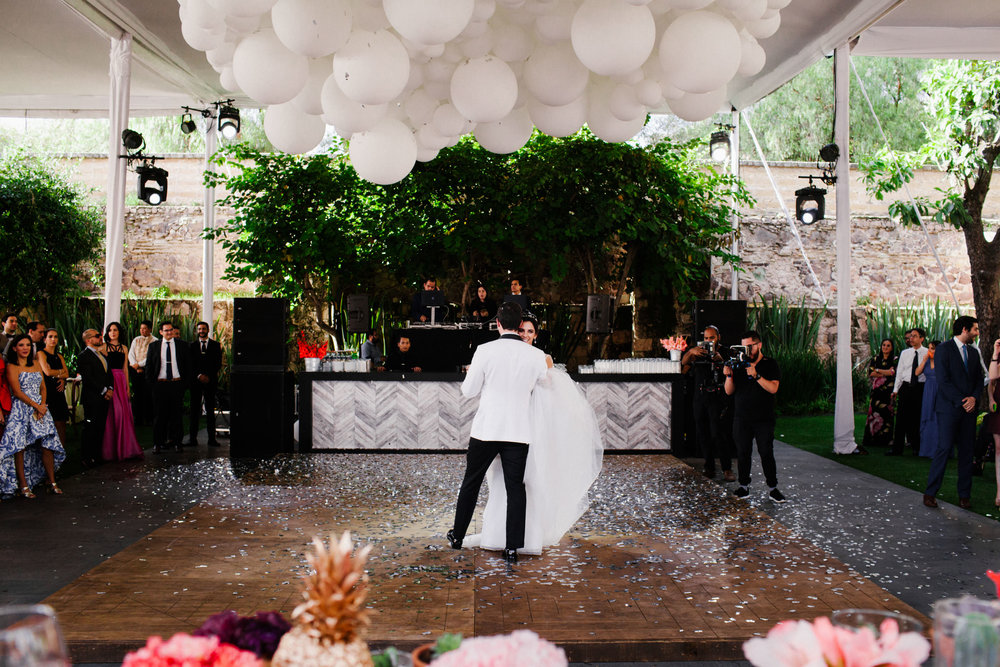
[(881, 413), (482, 308), (55, 372)]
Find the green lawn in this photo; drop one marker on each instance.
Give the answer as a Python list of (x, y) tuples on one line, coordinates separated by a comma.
[(815, 434)]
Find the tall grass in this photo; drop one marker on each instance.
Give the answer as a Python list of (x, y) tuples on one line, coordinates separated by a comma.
[(892, 321)]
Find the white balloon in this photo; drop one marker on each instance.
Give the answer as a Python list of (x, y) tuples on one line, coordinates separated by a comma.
[(690, 5), (554, 25), (554, 75), (419, 107), (474, 29), (292, 131), (613, 37), (416, 78), (243, 8), (434, 51), (484, 90), (507, 134), (373, 67), (631, 78), (699, 51), (510, 42), (425, 154), (623, 103), (778, 4), (267, 71), (766, 26), (749, 10), (309, 101), (312, 28), (221, 56), (649, 93), (227, 80), (638, 2), (242, 25), (695, 107), (479, 46), (429, 21), (384, 154), (439, 69), (439, 90), (447, 121), (346, 115), (202, 15), (428, 137), (752, 56), (559, 121), (202, 39), (605, 126), (484, 10), (370, 17)]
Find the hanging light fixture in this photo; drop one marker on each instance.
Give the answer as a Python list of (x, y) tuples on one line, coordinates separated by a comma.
[(187, 123), (810, 203), (132, 140), (719, 147), (229, 121), (152, 187)]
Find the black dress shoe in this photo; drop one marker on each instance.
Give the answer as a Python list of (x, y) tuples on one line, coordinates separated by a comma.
[(965, 503), (930, 501), (455, 543), (510, 555)]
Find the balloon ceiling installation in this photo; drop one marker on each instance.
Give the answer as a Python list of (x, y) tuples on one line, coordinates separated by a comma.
[(403, 79)]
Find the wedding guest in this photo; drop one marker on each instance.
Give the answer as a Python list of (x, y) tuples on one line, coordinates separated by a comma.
[(909, 390), (54, 368), (992, 422), (481, 307), (35, 331), (881, 413), (5, 404), (96, 394), (9, 323), (168, 367), (30, 450), (142, 406), (372, 348), (206, 362), (119, 441), (402, 359), (928, 415)]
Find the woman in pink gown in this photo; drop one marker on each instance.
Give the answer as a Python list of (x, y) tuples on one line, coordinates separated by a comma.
[(119, 431)]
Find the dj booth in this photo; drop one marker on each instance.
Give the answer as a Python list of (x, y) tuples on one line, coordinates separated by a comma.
[(443, 349)]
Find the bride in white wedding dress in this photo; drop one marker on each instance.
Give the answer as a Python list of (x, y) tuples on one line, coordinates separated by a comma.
[(564, 459)]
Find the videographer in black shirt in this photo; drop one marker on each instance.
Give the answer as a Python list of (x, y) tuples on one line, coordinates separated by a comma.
[(753, 379), (710, 402)]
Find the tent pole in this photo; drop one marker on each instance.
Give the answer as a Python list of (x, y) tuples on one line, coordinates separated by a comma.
[(208, 245), (734, 168), (120, 73), (843, 423)]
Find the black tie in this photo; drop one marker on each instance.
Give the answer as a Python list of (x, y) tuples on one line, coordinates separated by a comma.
[(170, 359), (913, 368), (204, 346)]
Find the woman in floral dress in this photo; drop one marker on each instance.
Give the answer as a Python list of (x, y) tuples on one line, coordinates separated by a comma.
[(881, 414)]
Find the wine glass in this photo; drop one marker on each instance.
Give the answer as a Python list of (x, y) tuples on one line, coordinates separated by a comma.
[(30, 637), (872, 619)]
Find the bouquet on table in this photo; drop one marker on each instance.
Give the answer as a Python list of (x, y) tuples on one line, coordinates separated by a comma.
[(309, 350)]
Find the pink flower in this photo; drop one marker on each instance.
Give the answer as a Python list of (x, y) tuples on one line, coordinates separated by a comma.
[(522, 648), (183, 650), (788, 644), (995, 578)]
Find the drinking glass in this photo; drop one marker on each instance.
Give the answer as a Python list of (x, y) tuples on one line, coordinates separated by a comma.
[(966, 632), (30, 637), (857, 619)]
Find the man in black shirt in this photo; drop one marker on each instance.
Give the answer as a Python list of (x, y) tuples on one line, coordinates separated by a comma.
[(402, 359), (710, 403), (754, 387)]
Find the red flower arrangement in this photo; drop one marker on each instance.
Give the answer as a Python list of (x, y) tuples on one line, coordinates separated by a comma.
[(310, 350)]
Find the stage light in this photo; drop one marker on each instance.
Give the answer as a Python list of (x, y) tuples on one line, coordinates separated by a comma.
[(810, 204), (829, 153), (719, 146), (152, 187), (187, 124), (229, 121), (132, 140)]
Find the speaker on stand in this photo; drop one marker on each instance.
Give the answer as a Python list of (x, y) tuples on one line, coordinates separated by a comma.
[(358, 313), (599, 313), (262, 393)]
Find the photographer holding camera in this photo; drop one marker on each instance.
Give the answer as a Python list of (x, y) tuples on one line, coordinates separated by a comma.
[(712, 407), (753, 379)]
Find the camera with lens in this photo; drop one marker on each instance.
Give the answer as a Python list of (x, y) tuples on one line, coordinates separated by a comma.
[(708, 346), (739, 357)]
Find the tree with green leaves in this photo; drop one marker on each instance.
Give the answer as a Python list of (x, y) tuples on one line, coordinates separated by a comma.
[(50, 236), (963, 98)]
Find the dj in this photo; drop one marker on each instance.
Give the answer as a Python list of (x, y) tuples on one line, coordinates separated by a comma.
[(418, 311)]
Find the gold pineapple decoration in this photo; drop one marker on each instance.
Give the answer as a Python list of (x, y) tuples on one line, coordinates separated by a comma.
[(329, 622)]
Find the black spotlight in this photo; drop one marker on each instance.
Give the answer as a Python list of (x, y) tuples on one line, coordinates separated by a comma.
[(829, 153), (229, 121), (810, 204), (132, 140), (152, 184), (187, 124), (719, 146)]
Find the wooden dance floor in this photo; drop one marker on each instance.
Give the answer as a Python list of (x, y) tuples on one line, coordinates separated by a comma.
[(664, 566)]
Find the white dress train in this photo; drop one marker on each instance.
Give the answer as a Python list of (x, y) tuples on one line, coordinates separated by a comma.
[(564, 458)]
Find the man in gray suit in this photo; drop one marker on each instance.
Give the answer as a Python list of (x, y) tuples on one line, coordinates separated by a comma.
[(503, 374)]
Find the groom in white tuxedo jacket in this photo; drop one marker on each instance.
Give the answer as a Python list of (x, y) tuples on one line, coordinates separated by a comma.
[(503, 374)]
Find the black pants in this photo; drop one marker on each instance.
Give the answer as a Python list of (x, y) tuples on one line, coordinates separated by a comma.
[(709, 426), (168, 412), (199, 391), (95, 416), (142, 403), (745, 431), (909, 401), (513, 456)]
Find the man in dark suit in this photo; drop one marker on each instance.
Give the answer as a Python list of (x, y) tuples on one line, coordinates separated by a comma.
[(168, 371), (96, 394), (960, 382), (206, 361)]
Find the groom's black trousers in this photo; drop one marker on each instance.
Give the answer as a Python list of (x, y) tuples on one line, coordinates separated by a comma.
[(513, 456)]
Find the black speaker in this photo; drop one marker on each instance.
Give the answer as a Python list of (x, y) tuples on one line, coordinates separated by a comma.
[(260, 333), (728, 316), (262, 413), (599, 313), (358, 315)]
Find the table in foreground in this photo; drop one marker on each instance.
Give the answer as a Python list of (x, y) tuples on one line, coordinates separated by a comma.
[(426, 411)]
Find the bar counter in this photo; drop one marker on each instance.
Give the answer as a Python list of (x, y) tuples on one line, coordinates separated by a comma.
[(427, 412)]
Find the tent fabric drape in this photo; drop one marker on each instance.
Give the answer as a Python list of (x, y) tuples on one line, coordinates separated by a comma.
[(120, 73)]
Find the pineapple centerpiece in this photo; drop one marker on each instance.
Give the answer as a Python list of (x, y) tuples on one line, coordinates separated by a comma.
[(327, 631)]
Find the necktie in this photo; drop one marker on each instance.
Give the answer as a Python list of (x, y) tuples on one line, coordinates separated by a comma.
[(913, 368), (204, 346), (170, 359), (104, 361), (965, 356)]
